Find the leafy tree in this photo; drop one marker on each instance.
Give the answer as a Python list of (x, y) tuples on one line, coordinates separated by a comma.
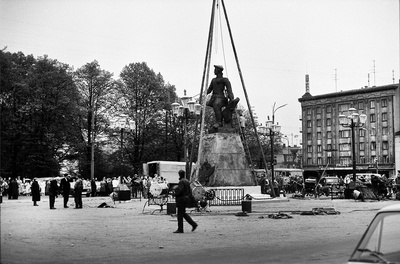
[(38, 110), (96, 87), (254, 148), (144, 98)]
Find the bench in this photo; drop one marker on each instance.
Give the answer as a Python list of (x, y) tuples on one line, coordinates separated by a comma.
[(160, 200)]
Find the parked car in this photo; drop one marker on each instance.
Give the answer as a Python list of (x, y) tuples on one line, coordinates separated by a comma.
[(311, 179), (330, 184), (381, 241)]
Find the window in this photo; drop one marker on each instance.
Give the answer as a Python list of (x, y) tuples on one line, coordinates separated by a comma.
[(361, 132), (308, 111), (329, 160), (372, 104), (329, 109), (344, 147), (373, 145), (319, 122), (362, 146), (319, 148), (328, 146), (360, 105), (309, 137), (384, 103), (318, 110), (309, 124), (385, 130), (328, 121), (344, 161), (385, 145), (372, 118), (319, 135), (344, 133), (329, 134), (373, 131), (309, 149), (362, 159), (309, 161), (385, 159), (319, 161), (343, 107), (384, 116)]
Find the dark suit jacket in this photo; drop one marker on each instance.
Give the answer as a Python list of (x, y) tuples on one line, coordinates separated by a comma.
[(182, 191), (65, 186)]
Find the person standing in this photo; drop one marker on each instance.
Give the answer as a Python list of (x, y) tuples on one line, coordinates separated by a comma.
[(262, 182), (13, 190), (53, 192), (65, 187), (35, 191), (78, 189), (93, 187), (182, 192)]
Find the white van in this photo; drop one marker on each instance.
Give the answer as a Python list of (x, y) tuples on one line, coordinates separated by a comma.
[(166, 169)]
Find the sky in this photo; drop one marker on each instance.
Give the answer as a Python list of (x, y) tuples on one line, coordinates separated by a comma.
[(341, 44)]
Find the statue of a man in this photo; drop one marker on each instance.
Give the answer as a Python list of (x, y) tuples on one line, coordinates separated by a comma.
[(219, 86)]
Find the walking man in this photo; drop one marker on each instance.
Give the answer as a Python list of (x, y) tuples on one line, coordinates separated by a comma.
[(182, 193)]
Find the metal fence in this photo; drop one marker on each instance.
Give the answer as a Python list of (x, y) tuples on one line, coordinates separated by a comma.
[(228, 196)]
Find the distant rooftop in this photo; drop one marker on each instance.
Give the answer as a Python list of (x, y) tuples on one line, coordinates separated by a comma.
[(308, 97)]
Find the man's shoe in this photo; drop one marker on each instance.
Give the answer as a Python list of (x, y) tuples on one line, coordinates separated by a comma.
[(194, 227), (178, 231), (52, 208)]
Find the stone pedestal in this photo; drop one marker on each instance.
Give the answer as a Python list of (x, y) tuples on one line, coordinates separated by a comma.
[(223, 162)]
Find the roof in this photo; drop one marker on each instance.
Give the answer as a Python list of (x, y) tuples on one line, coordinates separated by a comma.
[(309, 97), (391, 208)]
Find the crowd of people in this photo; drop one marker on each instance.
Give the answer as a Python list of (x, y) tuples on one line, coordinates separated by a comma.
[(382, 187)]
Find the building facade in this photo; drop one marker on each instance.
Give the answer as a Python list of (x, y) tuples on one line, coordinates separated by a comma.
[(327, 146)]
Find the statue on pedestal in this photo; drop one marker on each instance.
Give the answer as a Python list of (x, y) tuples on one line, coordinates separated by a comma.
[(222, 100)]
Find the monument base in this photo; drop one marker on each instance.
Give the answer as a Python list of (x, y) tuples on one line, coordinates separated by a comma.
[(223, 162)]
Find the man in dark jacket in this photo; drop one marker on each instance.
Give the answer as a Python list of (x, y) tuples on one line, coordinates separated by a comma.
[(65, 187), (182, 193), (35, 191), (13, 190), (78, 189), (53, 192), (93, 187)]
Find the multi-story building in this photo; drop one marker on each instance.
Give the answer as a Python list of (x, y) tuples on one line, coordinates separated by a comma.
[(327, 145)]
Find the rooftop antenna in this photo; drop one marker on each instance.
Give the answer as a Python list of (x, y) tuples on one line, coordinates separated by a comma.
[(368, 81), (374, 75), (393, 76), (336, 80)]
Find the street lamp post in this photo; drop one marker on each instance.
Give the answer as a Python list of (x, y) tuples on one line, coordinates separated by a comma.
[(274, 130), (353, 120), (288, 150), (189, 109)]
